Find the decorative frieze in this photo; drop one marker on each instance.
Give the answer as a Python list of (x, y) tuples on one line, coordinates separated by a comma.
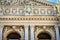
[(18, 2), (28, 10), (12, 2), (29, 19), (22, 2)]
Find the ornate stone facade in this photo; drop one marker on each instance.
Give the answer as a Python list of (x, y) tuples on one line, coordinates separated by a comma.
[(29, 20)]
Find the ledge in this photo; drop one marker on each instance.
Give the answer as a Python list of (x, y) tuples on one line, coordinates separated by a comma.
[(28, 18)]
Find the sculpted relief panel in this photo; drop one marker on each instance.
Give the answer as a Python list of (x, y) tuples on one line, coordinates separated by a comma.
[(13, 29), (44, 29)]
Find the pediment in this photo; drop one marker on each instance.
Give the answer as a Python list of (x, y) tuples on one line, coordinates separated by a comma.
[(44, 2), (29, 2), (35, 3)]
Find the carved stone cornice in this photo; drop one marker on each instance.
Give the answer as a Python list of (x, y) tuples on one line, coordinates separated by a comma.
[(28, 18), (24, 2), (45, 2)]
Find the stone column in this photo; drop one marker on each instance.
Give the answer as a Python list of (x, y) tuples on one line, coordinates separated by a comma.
[(57, 32), (1, 31), (26, 32), (32, 32)]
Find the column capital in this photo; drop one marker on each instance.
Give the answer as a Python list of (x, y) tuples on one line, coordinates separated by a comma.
[(1, 26), (26, 25), (32, 25), (56, 26)]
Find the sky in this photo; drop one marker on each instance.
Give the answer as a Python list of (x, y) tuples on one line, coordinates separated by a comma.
[(54, 1)]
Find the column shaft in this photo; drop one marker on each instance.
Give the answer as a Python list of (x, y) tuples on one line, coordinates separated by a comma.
[(1, 30), (31, 32), (57, 32), (26, 32)]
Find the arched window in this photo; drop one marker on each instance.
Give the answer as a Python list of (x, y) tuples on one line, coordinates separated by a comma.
[(13, 36), (44, 36)]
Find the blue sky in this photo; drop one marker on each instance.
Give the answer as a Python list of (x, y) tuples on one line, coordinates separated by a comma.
[(54, 1)]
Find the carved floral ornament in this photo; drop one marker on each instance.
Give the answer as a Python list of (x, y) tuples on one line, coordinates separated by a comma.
[(13, 27), (44, 27)]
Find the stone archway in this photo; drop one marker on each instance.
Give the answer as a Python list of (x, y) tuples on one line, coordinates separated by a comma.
[(44, 36), (16, 31), (44, 31), (14, 36)]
